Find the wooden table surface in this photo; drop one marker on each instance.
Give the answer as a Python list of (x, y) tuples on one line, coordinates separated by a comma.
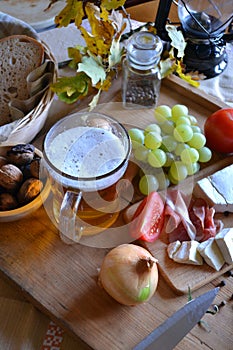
[(61, 280)]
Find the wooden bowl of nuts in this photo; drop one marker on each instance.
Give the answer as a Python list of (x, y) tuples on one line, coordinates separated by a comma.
[(21, 189)]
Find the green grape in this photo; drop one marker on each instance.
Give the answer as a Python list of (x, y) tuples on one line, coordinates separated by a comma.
[(193, 120), (162, 180), (197, 141), (169, 159), (141, 153), (152, 140), (161, 113), (196, 128), (189, 155), (157, 158), (183, 133), (178, 170), (170, 149), (180, 147), (169, 144), (183, 120), (153, 127), (192, 168), (136, 136), (167, 127), (171, 178), (205, 154), (148, 184), (179, 110)]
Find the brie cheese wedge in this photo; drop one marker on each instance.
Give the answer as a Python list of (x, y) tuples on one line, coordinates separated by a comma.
[(211, 253), (224, 240), (172, 248), (217, 189), (187, 253)]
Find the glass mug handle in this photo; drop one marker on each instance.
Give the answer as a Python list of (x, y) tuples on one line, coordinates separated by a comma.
[(70, 232)]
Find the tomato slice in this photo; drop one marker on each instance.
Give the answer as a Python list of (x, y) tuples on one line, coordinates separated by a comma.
[(148, 219)]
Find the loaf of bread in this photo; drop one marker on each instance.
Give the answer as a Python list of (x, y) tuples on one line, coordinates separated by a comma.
[(19, 56)]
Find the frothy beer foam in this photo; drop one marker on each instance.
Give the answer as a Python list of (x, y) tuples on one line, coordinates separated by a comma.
[(86, 152)]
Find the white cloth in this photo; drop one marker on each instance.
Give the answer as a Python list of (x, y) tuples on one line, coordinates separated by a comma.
[(222, 85)]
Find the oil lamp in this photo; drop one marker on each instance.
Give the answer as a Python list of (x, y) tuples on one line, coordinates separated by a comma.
[(204, 24)]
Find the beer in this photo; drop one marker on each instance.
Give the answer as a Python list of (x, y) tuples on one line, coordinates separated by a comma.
[(87, 160)]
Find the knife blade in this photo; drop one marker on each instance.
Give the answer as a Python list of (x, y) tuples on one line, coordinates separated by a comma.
[(173, 330)]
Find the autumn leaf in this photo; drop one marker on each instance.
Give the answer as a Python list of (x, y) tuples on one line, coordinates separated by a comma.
[(186, 77), (76, 53), (93, 69), (95, 44), (100, 38), (105, 85), (177, 39), (115, 53), (104, 14), (118, 22), (195, 75), (167, 66), (73, 11), (69, 89), (94, 101), (112, 4)]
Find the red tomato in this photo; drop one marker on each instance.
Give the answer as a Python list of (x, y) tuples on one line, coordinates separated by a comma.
[(148, 219), (218, 131)]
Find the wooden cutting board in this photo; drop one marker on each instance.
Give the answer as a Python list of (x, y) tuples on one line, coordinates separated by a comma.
[(181, 277)]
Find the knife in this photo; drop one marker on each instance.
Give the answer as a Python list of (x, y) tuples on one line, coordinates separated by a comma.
[(173, 330)]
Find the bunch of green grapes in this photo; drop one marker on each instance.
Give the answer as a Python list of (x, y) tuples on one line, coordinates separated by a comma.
[(170, 149)]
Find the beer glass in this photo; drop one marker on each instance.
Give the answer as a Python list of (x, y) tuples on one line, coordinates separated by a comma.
[(85, 155)]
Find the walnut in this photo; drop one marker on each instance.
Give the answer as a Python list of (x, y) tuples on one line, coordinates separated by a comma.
[(35, 168), (10, 177), (21, 154), (29, 190), (3, 161), (7, 202)]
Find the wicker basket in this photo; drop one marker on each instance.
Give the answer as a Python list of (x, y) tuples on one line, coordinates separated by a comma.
[(26, 128), (30, 125)]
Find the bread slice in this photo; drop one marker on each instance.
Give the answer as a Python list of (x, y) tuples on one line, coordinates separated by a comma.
[(19, 56)]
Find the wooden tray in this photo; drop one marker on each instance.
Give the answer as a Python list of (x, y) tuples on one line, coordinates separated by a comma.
[(62, 280), (180, 277)]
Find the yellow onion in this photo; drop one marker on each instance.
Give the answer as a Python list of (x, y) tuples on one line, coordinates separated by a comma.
[(129, 274)]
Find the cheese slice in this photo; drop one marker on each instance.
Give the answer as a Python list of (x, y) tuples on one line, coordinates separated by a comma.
[(211, 253), (188, 253), (224, 240), (172, 248), (217, 189)]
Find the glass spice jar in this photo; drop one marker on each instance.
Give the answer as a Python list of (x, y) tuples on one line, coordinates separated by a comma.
[(141, 76)]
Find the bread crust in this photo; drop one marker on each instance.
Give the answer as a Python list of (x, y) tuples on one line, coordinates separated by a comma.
[(19, 56)]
